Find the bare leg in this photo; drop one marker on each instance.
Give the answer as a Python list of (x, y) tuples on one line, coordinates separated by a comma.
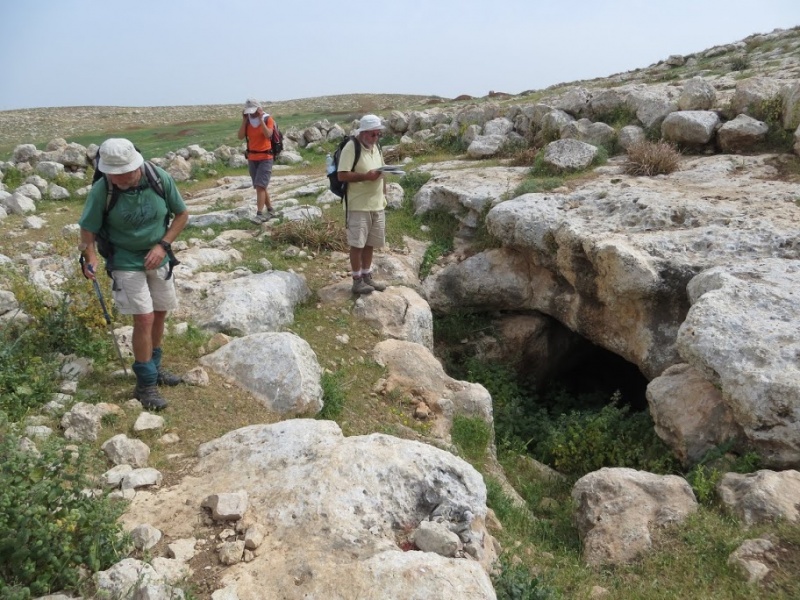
[(261, 198), (366, 258), (355, 259), (159, 317), (143, 336)]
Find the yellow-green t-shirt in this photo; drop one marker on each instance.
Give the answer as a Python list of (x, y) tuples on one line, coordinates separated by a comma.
[(363, 195)]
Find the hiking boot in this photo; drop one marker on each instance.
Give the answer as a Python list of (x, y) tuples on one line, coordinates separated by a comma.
[(377, 285), (359, 287), (149, 397), (167, 378), (260, 218)]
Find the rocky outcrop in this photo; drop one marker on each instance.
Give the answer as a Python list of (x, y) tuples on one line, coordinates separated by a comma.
[(614, 261)]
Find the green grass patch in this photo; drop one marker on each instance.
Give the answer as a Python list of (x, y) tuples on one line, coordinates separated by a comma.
[(472, 436), (333, 396)]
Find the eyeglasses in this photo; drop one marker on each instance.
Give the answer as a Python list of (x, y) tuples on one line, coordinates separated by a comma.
[(374, 133)]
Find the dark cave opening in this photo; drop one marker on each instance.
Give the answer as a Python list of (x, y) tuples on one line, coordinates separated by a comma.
[(590, 369)]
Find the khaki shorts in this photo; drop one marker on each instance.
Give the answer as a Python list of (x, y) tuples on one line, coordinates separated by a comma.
[(366, 228), (142, 292)]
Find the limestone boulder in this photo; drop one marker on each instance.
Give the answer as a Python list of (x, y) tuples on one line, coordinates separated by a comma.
[(617, 511), (741, 134), (334, 511), (398, 313), (690, 414), (279, 369), (569, 155), (762, 496), (690, 127)]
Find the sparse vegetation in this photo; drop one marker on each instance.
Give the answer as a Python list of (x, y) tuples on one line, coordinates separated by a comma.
[(652, 158), (541, 557)]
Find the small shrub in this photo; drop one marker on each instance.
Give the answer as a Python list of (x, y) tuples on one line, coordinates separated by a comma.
[(48, 527), (515, 147), (771, 112), (708, 472), (315, 234), (67, 322), (13, 178), (704, 483), (652, 158), (740, 62), (459, 325)]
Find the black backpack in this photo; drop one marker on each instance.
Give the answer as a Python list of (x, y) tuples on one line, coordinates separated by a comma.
[(104, 246), (276, 140), (340, 187)]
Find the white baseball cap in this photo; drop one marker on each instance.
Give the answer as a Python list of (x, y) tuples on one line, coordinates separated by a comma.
[(251, 106), (369, 123), (118, 156)]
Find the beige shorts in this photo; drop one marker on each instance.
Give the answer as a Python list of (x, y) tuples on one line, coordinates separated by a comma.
[(142, 292), (366, 228)]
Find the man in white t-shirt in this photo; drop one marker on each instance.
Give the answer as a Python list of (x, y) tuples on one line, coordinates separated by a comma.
[(366, 201)]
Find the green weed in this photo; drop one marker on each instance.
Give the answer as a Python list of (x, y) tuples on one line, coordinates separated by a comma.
[(48, 527), (515, 582)]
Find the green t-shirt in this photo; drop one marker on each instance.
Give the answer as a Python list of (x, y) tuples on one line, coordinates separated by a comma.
[(136, 223)]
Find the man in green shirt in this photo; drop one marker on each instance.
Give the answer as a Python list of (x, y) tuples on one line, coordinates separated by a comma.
[(366, 201), (136, 226)]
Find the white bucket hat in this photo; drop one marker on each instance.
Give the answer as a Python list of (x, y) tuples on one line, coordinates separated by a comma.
[(369, 123), (118, 156), (251, 106)]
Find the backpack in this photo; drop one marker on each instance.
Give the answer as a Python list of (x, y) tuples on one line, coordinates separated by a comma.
[(104, 246), (276, 140), (340, 187)]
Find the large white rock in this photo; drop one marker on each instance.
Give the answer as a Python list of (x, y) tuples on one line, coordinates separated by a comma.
[(334, 511), (763, 496), (280, 369), (252, 304), (618, 509)]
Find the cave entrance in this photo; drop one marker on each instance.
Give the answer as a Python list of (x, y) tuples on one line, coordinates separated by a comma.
[(542, 352)]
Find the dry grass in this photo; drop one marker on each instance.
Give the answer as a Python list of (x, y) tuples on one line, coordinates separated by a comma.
[(319, 235), (652, 158)]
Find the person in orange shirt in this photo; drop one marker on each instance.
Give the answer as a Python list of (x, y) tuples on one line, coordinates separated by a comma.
[(256, 129)]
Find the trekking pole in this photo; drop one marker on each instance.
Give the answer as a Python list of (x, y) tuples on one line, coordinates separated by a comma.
[(106, 315)]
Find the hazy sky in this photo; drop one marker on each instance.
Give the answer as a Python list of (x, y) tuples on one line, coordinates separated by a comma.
[(181, 52)]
